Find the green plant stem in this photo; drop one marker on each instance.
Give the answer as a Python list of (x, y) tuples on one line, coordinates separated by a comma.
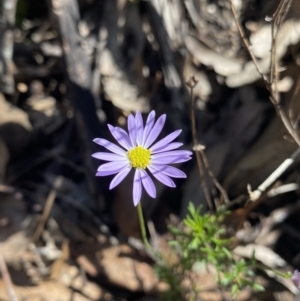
[(276, 272), (143, 226)]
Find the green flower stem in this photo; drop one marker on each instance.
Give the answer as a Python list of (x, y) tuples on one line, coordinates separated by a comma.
[(143, 226), (276, 272)]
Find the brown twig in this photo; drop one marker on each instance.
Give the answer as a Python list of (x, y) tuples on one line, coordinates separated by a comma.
[(271, 81), (200, 154), (191, 84), (271, 85), (276, 22), (48, 206), (246, 42), (7, 280), (291, 115), (213, 177), (273, 61)]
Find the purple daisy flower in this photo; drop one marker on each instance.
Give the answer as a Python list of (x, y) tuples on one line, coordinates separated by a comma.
[(140, 153)]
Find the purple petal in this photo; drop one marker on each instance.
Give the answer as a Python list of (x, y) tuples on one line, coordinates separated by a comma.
[(110, 146), (109, 156), (119, 136), (296, 279), (176, 153), (125, 135), (131, 129), (165, 141), (155, 130), (137, 187), (148, 126), (168, 147), (111, 168), (119, 177), (169, 160), (139, 128), (161, 177), (148, 184), (171, 157), (171, 171)]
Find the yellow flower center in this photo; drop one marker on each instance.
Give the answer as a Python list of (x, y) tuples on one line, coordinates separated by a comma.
[(139, 157)]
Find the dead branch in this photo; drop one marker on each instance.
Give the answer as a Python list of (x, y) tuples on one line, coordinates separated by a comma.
[(255, 195), (6, 277), (47, 209), (272, 80), (171, 75), (7, 22), (79, 75), (191, 84)]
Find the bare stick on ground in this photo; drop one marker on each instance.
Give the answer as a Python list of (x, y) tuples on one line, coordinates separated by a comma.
[(48, 206), (191, 83), (271, 84), (255, 195), (7, 281), (66, 17), (7, 23), (271, 80), (200, 154)]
